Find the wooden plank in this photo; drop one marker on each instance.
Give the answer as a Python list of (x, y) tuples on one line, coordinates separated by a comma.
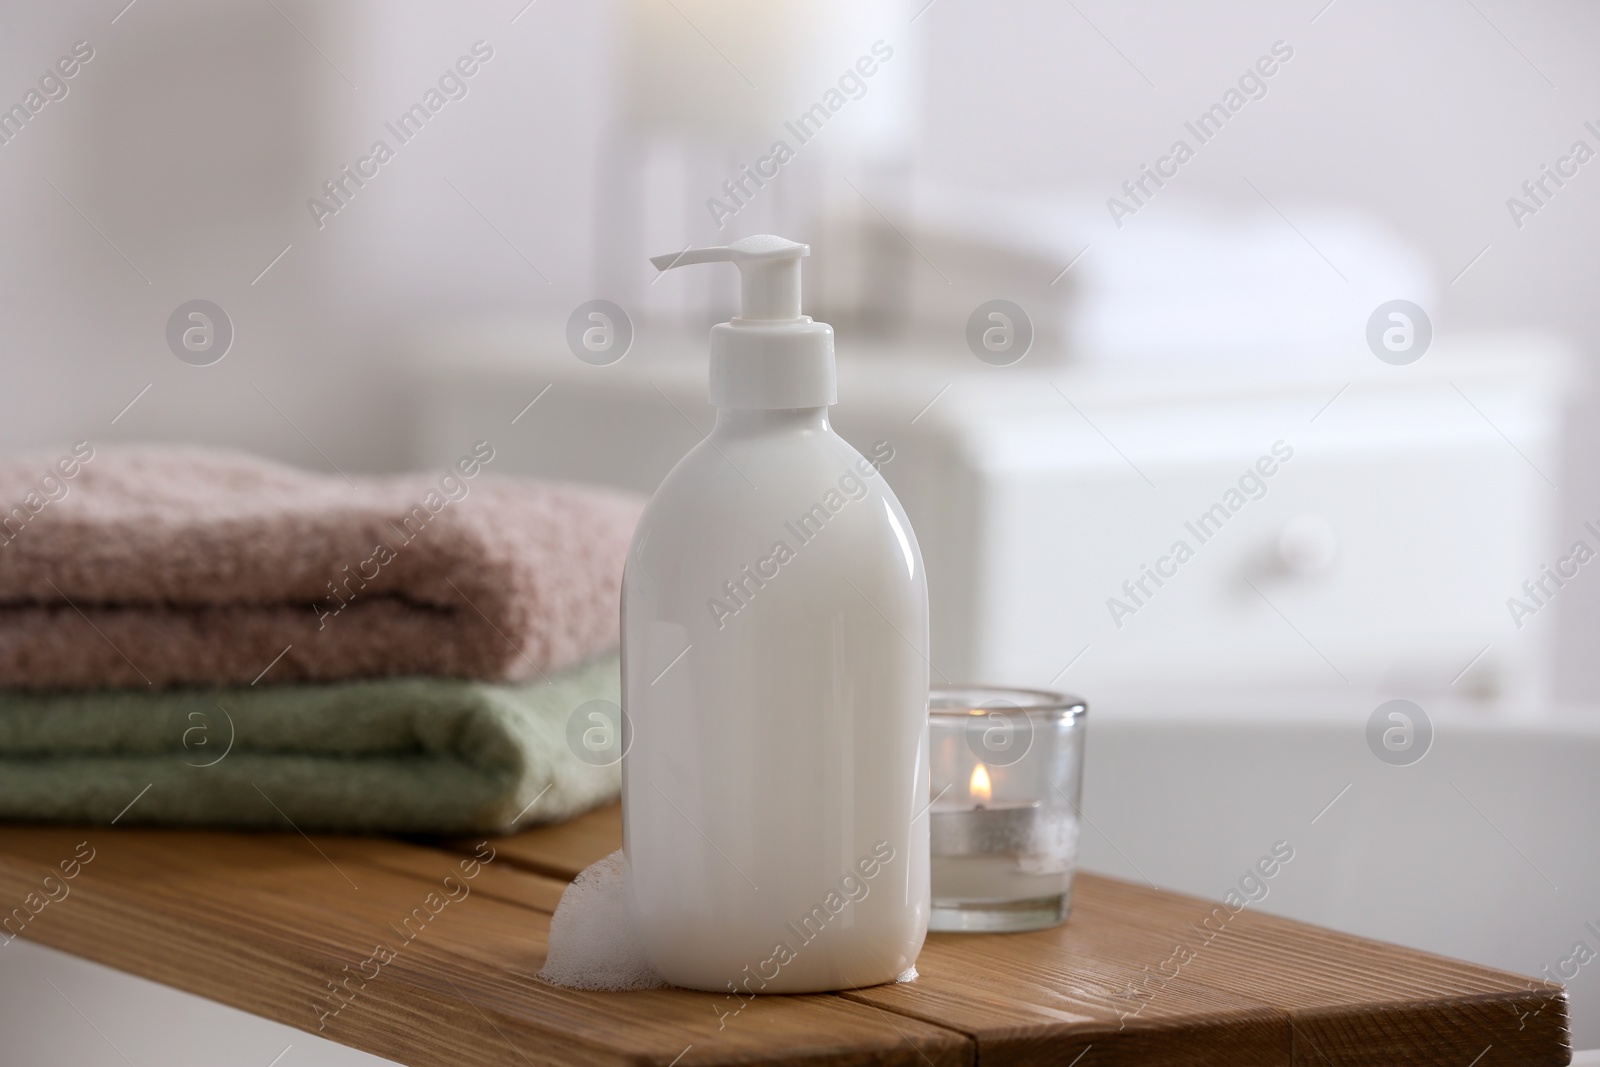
[(269, 924), (1350, 1000), (1264, 990), (560, 850), (1236, 1030), (1341, 999), (496, 879)]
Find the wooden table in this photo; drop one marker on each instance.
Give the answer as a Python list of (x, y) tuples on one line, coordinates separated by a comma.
[(285, 926)]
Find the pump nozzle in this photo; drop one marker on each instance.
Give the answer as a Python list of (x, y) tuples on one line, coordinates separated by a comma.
[(769, 272), (770, 355)]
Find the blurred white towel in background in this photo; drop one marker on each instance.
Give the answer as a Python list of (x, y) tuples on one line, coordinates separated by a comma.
[(1183, 280)]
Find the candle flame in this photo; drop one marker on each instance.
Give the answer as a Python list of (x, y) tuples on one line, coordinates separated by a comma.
[(979, 786)]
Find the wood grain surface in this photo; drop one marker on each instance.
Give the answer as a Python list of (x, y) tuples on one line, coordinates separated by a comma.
[(426, 953)]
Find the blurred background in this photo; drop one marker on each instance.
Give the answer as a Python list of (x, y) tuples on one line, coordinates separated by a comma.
[(936, 156), (1305, 287)]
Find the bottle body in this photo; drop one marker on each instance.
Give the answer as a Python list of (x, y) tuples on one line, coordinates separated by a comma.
[(775, 680)]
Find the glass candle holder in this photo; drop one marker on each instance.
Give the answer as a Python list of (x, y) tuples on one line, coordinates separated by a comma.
[(1006, 774)]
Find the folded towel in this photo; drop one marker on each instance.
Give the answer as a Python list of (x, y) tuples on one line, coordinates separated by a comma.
[(398, 755), (160, 566)]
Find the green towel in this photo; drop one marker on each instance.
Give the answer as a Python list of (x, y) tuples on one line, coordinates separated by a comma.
[(397, 755)]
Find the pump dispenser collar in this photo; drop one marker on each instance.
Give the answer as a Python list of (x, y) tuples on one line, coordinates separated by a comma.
[(769, 355)]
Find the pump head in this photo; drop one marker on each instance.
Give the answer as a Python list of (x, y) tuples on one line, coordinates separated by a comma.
[(769, 355), (769, 273)]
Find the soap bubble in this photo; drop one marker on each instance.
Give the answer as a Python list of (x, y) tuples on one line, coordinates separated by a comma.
[(593, 944)]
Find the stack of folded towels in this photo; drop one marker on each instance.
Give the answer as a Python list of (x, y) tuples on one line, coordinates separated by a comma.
[(202, 638)]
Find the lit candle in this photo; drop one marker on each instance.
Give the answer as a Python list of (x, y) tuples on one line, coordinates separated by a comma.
[(980, 826), (1007, 863)]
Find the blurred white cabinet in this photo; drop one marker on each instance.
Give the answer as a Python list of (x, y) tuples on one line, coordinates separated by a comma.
[(1405, 504)]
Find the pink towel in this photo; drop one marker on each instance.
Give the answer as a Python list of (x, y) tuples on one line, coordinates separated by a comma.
[(167, 566)]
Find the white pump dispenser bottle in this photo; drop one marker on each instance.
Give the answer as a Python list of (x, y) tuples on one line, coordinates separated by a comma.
[(775, 678)]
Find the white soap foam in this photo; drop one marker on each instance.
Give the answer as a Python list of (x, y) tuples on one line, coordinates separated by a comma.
[(592, 941)]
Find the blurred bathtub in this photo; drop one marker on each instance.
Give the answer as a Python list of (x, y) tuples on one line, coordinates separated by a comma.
[(1486, 849)]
